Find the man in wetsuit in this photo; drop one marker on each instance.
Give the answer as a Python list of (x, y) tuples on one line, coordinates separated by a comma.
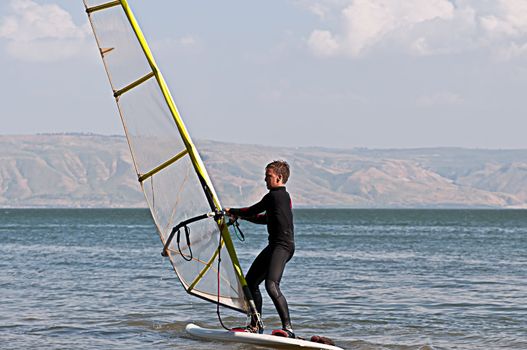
[(274, 210)]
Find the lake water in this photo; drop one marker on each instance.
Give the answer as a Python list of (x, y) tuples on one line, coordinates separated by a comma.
[(369, 279)]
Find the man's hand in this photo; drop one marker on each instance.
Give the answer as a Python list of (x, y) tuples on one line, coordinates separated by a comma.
[(231, 216)]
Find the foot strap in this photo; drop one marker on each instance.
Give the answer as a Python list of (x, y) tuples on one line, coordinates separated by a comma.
[(283, 333), (322, 340)]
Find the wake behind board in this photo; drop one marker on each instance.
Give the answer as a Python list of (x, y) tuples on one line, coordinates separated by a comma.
[(256, 339)]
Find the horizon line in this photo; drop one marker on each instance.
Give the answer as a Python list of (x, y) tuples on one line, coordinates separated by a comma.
[(370, 148)]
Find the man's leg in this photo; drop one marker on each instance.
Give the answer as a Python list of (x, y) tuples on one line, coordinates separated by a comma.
[(279, 257), (256, 275)]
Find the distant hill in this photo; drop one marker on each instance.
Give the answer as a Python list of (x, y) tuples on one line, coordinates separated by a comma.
[(76, 170)]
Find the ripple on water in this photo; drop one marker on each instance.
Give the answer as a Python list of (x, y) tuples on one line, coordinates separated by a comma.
[(368, 279)]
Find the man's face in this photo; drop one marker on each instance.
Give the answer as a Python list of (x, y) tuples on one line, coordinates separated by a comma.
[(272, 180)]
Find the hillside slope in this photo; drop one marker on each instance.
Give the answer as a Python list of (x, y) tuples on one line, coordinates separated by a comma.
[(96, 171)]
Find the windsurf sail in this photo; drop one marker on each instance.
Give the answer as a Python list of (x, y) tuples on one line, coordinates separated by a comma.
[(184, 206)]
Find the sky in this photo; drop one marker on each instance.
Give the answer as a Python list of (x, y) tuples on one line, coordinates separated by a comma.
[(330, 73)]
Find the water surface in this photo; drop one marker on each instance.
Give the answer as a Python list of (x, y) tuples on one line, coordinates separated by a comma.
[(369, 279)]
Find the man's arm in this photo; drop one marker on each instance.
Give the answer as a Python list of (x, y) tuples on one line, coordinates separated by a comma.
[(248, 212), (258, 219)]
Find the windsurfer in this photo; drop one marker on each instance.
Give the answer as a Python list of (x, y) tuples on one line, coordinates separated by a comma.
[(274, 210)]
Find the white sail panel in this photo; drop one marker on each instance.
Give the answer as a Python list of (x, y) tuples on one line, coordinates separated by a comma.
[(123, 56), (165, 160), (175, 194), (150, 126)]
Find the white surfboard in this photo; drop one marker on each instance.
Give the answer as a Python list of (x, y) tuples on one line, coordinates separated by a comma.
[(257, 339)]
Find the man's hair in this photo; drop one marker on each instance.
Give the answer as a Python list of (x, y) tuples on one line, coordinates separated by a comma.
[(280, 167)]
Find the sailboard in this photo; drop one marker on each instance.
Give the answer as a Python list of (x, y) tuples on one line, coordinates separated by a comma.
[(179, 193), (256, 339)]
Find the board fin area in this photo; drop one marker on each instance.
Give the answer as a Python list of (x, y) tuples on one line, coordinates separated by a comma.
[(267, 340), (314, 338)]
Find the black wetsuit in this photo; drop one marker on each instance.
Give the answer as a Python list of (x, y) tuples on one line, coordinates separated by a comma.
[(269, 265)]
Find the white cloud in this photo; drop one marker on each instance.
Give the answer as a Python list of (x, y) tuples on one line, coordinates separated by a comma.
[(515, 12), (323, 43), (188, 40), (510, 52), (368, 22), (440, 99), (424, 27), (319, 10), (42, 33)]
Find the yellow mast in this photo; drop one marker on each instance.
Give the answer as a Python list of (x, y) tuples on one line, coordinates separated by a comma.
[(190, 148)]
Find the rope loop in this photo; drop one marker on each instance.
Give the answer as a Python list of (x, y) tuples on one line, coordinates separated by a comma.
[(237, 230), (187, 236)]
